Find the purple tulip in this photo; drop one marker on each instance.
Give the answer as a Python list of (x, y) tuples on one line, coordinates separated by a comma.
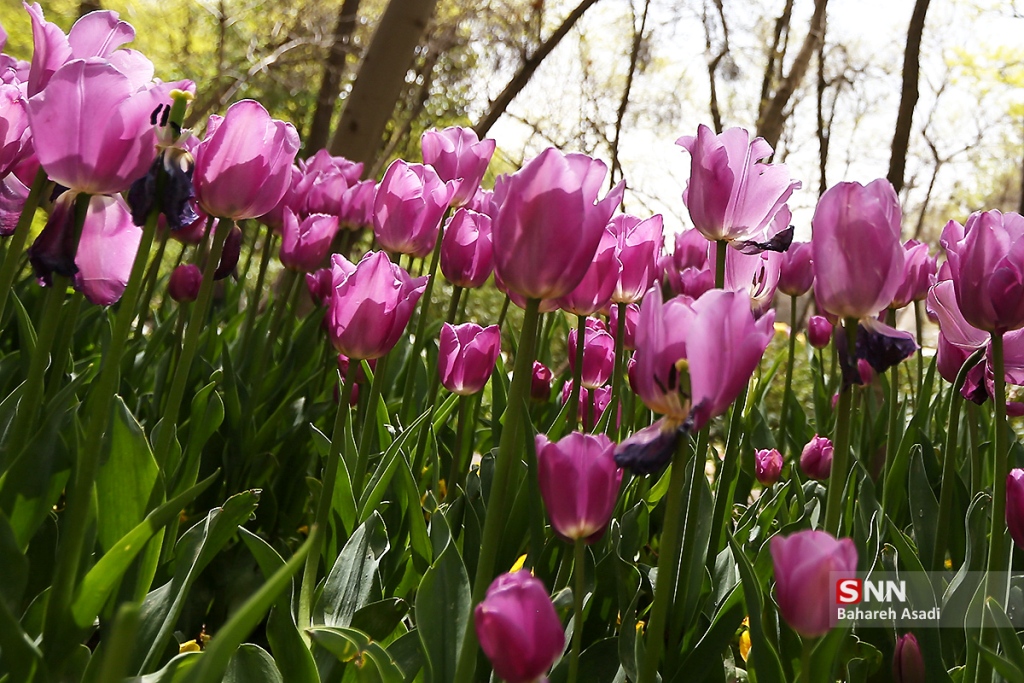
[(592, 403), (304, 245), (466, 356), (918, 272), (184, 283), (819, 331), (598, 354), (632, 317), (907, 662), (637, 244), (356, 207), (467, 254), (244, 165), (229, 254), (540, 384), (550, 223), (483, 202), (1015, 505), (320, 184), (13, 194), (857, 256), (804, 587), (767, 466), (457, 154), (370, 305), (518, 628), (986, 259), (730, 194), (691, 250), (693, 282), (816, 458), (15, 134), (796, 274), (756, 275), (408, 207), (595, 290), (579, 483)]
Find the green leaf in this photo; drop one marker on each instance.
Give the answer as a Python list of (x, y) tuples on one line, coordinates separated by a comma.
[(344, 502), (763, 656), (206, 417), (13, 566), (380, 619), (924, 508), (372, 662), (21, 656), (443, 603), (126, 477), (351, 578), (407, 653), (252, 664), (1007, 634), (374, 490), (1002, 666)]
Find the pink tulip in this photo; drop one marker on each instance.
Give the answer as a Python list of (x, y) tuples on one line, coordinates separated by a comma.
[(819, 331), (691, 250), (918, 272), (804, 586), (632, 317), (466, 356), (356, 206), (305, 244), (518, 628), (986, 259), (767, 466), (457, 154), (592, 403), (598, 354), (796, 274), (1015, 505), (550, 223), (184, 283), (595, 290), (467, 254), (731, 195), (370, 305), (318, 185), (540, 384), (579, 483), (408, 207), (15, 134), (756, 275), (637, 244), (907, 662), (856, 251), (816, 458), (244, 164)]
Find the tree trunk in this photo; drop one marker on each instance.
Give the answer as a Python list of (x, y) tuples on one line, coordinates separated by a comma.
[(526, 71), (330, 85), (620, 114), (381, 78), (908, 96)]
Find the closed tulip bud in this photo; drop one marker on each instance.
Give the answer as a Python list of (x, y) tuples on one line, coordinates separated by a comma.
[(229, 255), (184, 283), (598, 355), (907, 662), (919, 270), (819, 331), (518, 628), (804, 563), (407, 209), (579, 483), (637, 244), (370, 305), (244, 165), (632, 316), (457, 154), (767, 466), (856, 251), (304, 244), (466, 356), (540, 384), (694, 282), (1015, 505), (550, 223), (796, 274), (691, 250), (467, 252), (816, 458)]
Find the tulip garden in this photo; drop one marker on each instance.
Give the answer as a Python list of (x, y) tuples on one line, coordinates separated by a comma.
[(265, 419)]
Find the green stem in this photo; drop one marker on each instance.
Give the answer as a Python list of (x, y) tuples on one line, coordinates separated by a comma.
[(727, 479), (266, 345), (196, 325), (948, 463), (508, 456), (405, 413), (620, 356), (577, 372), (579, 574), (62, 349), (151, 277), (257, 293), (668, 564), (16, 244), (805, 660), (458, 467), (504, 312), (369, 426), (894, 430), (720, 247), (841, 453), (919, 320), (323, 509), (783, 439)]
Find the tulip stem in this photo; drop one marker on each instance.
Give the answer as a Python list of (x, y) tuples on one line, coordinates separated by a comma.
[(620, 353), (841, 454), (257, 292), (405, 413), (788, 391), (894, 430), (579, 575), (458, 468), (720, 254), (668, 562), (504, 312), (805, 660), (318, 532), (577, 372), (196, 325), (508, 456), (16, 246), (150, 279), (919, 320), (726, 486), (77, 515), (59, 357), (948, 462), (369, 426)]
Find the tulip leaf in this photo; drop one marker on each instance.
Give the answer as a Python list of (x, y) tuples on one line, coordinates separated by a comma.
[(344, 502), (22, 657), (348, 645), (351, 578), (407, 653), (13, 566), (252, 664), (924, 508), (443, 412), (705, 656), (763, 656), (380, 619), (826, 655), (373, 492), (419, 539), (443, 604), (1008, 639), (206, 417), (26, 330), (1002, 666)]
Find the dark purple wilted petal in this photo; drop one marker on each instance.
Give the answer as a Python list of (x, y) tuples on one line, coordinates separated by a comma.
[(649, 449), (229, 256), (779, 242), (54, 249)]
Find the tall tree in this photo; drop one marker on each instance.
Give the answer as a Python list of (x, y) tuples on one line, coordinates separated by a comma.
[(908, 95), (330, 84)]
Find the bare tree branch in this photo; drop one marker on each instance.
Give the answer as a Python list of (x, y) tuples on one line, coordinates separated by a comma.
[(634, 54), (330, 85), (776, 54), (908, 96), (716, 113)]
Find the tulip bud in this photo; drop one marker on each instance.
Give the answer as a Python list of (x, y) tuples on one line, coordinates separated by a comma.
[(466, 356), (816, 458), (579, 483), (637, 244), (1015, 505), (408, 206), (540, 384), (589, 414), (918, 271), (767, 466), (632, 316), (457, 154), (804, 564), (819, 331), (184, 283), (467, 255), (229, 255), (796, 273), (907, 662), (691, 250), (305, 243), (518, 628), (598, 355)]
